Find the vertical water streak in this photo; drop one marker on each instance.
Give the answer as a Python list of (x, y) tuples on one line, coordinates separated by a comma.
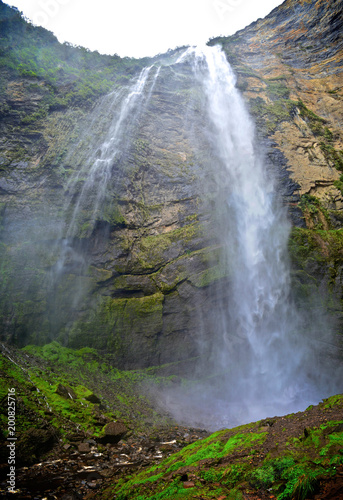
[(98, 167), (95, 175), (90, 192), (257, 348)]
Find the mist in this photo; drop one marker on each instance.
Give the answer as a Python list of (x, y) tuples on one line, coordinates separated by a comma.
[(254, 352), (263, 357)]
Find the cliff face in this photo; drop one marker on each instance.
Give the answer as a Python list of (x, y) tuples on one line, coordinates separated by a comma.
[(290, 71), (121, 258), (289, 68), (137, 274)]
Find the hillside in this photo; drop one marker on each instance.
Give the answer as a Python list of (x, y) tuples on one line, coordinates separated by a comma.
[(66, 399)]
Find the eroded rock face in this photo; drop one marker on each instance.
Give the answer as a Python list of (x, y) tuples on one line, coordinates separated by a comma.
[(289, 68), (134, 277), (140, 276)]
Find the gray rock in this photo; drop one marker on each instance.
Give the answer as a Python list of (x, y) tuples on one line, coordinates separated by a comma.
[(113, 433)]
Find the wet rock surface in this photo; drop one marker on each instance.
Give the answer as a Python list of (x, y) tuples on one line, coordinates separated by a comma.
[(83, 467), (152, 260)]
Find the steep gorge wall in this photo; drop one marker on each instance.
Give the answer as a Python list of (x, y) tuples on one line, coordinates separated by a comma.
[(137, 278), (143, 277)]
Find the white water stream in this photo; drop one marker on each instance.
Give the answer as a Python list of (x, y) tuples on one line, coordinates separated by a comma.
[(256, 242), (263, 365), (95, 175)]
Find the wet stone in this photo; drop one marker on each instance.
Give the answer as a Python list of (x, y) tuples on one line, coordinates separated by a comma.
[(84, 448), (188, 484), (114, 432)]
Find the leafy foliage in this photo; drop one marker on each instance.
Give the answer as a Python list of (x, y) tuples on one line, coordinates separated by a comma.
[(73, 75)]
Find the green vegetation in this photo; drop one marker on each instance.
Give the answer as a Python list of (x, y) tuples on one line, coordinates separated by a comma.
[(277, 88), (84, 371), (227, 463), (271, 115), (64, 75), (315, 122), (151, 251), (317, 125), (332, 155), (232, 462), (60, 393), (316, 245), (309, 203), (115, 324), (316, 215)]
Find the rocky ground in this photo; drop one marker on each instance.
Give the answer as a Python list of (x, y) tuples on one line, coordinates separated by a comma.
[(106, 439), (82, 468)]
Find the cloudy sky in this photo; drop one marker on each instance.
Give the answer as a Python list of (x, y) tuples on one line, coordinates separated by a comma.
[(138, 28)]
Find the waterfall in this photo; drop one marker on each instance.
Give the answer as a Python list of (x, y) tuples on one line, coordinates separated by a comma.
[(90, 190), (262, 364), (96, 171), (257, 240), (90, 186)]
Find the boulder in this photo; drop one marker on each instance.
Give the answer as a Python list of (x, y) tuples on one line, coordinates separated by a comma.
[(92, 398), (84, 448), (65, 391), (33, 443), (113, 433)]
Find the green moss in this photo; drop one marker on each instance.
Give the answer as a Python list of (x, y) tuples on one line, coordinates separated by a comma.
[(309, 203), (115, 323), (332, 156), (303, 246), (235, 474), (317, 125), (263, 477), (333, 401), (113, 215), (243, 441), (271, 115), (277, 88), (85, 372), (316, 245), (33, 117), (246, 71), (209, 276), (152, 252), (314, 121), (211, 475)]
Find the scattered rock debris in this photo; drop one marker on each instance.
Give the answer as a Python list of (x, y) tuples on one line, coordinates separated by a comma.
[(79, 470)]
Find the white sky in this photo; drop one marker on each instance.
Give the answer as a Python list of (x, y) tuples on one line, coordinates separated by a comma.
[(138, 28)]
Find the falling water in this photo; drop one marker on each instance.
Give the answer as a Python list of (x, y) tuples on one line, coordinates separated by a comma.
[(256, 240), (90, 191), (96, 174), (263, 366)]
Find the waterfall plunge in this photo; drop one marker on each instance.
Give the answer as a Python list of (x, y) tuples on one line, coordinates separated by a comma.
[(256, 243), (259, 363), (262, 364)]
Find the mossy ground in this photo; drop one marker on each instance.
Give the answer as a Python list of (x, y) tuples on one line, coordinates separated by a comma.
[(281, 458), (36, 372)]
